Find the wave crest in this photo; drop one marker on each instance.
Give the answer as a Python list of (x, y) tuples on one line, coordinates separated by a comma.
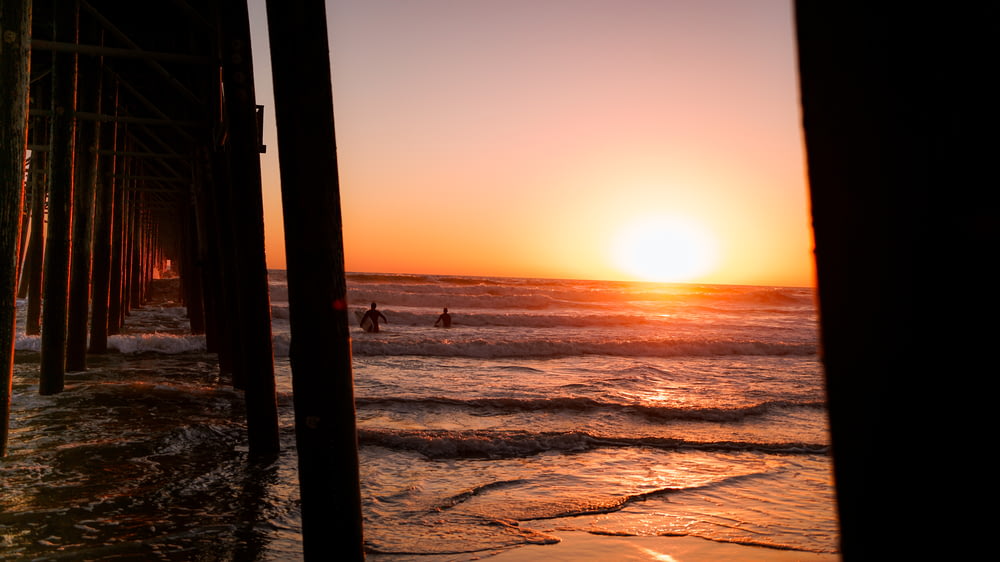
[(489, 444)]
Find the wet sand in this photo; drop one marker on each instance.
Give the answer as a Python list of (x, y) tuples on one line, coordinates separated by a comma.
[(576, 546)]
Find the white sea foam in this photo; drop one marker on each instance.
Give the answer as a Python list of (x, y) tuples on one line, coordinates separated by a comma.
[(133, 343), (157, 343)]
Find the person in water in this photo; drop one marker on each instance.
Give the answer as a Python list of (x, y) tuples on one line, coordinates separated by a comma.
[(444, 319), (373, 315)]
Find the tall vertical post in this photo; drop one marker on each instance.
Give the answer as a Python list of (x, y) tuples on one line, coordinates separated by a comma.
[(231, 359), (36, 239), (320, 355), (52, 370), (15, 41), (89, 99), (128, 229), (33, 190), (136, 227), (133, 218), (103, 217), (207, 257), (36, 246), (116, 278), (190, 267), (248, 222), (22, 240), (900, 118)]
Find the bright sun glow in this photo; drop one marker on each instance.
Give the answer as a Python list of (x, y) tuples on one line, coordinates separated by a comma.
[(665, 249)]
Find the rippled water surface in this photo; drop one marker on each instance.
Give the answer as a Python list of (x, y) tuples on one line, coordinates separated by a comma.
[(549, 406)]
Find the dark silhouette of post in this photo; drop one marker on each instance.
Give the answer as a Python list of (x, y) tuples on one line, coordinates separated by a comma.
[(36, 244), (34, 202), (222, 232), (103, 216), (320, 354), (900, 117), (78, 308), (116, 279), (55, 284), (208, 255), (190, 268), (15, 21), (30, 192), (247, 203)]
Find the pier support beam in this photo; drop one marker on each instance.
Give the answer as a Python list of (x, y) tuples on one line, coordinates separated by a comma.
[(103, 216), (116, 279), (248, 224), (35, 254), (208, 257), (55, 284), (323, 385), (900, 118), (89, 99), (34, 202), (15, 41)]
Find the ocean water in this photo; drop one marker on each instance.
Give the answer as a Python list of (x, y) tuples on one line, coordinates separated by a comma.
[(618, 409)]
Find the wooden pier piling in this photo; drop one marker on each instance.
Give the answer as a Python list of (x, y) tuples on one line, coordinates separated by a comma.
[(103, 217), (87, 156), (15, 33), (62, 154), (322, 379), (127, 186), (154, 154), (900, 120), (243, 160)]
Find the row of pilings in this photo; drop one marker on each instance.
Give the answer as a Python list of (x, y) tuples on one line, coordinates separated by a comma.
[(131, 139), (109, 198)]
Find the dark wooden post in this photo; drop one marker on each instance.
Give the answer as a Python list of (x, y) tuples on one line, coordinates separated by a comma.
[(88, 158), (190, 266), (103, 218), (150, 255), (36, 244), (34, 199), (128, 240), (325, 426), (31, 182), (15, 41), (900, 115), (224, 245), (207, 258), (116, 278), (55, 288), (248, 222), (135, 247)]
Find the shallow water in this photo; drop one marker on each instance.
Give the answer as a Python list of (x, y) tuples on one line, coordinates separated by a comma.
[(705, 419)]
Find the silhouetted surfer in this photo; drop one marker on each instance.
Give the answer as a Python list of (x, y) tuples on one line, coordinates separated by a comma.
[(444, 319), (373, 315)]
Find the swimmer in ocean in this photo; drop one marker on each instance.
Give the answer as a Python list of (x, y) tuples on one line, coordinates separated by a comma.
[(444, 319), (374, 315)]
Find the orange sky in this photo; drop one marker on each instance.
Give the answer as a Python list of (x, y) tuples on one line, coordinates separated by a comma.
[(523, 138)]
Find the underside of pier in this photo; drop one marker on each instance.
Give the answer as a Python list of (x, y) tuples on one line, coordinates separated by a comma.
[(131, 143)]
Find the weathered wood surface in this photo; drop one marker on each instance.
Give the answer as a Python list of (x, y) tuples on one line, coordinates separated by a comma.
[(15, 26)]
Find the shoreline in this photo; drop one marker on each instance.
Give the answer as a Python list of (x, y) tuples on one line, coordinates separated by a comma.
[(575, 546)]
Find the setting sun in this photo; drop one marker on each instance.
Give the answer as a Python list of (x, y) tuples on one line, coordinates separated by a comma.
[(666, 249)]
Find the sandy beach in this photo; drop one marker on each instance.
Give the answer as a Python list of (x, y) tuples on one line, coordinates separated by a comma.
[(576, 546)]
